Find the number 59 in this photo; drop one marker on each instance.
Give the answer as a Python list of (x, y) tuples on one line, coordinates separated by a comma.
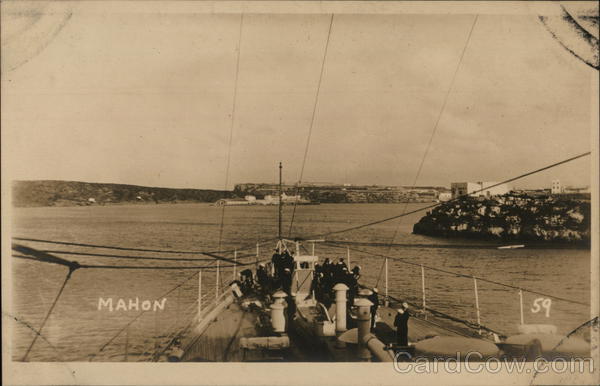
[(545, 303)]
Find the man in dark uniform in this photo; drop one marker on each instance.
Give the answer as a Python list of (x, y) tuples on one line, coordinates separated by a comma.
[(287, 261), (326, 266), (319, 287), (247, 280), (374, 298), (401, 324), (316, 281), (351, 281), (276, 261), (262, 277), (340, 272), (286, 280), (291, 307), (341, 266)]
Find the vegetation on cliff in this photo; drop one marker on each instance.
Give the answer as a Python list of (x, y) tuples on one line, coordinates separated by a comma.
[(511, 217), (71, 193)]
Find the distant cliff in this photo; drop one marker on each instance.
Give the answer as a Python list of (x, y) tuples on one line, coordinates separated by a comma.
[(71, 193), (345, 194), (511, 217)]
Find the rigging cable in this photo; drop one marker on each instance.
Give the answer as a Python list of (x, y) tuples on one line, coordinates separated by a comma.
[(437, 121), (439, 314), (40, 256), (60, 291), (30, 327), (208, 253), (449, 246), (122, 256), (137, 257), (312, 121), (90, 266), (233, 105), (405, 261), (323, 234), (139, 315), (320, 235), (380, 273)]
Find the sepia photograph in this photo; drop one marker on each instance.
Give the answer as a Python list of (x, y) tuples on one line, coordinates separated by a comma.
[(300, 192)]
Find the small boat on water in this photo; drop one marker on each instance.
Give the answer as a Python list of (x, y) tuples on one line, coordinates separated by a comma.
[(296, 326), (284, 312), (300, 321), (517, 246)]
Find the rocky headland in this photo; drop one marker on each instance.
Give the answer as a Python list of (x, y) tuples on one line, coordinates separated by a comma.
[(511, 217)]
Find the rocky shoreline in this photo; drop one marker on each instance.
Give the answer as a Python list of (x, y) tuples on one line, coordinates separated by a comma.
[(511, 217)]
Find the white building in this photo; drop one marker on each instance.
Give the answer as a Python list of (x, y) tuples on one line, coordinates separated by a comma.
[(476, 189), (556, 187)]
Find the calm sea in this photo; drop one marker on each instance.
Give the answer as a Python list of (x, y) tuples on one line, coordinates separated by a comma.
[(78, 331)]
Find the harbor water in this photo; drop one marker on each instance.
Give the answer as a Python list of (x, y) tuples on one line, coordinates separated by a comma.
[(80, 329)]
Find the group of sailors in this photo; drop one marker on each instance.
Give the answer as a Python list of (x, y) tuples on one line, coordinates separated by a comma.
[(277, 274), (327, 275)]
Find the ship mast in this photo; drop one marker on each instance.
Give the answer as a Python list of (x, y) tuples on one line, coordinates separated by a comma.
[(280, 201)]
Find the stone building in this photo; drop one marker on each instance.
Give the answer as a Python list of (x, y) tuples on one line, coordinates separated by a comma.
[(476, 189)]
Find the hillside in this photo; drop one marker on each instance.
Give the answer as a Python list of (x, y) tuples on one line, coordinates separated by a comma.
[(332, 193), (71, 193)]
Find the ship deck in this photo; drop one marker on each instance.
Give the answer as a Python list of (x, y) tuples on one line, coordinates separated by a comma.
[(220, 342)]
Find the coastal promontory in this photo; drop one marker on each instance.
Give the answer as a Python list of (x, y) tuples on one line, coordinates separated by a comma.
[(511, 217)]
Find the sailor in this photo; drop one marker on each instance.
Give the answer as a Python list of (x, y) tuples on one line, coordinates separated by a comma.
[(319, 286), (236, 287), (328, 267), (262, 277), (276, 260), (341, 264), (286, 280), (246, 278), (351, 281), (340, 273), (246, 274), (291, 306), (318, 268), (401, 324), (316, 281), (269, 268), (374, 298), (287, 261)]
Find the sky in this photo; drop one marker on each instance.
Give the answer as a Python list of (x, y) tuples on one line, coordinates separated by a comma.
[(147, 98)]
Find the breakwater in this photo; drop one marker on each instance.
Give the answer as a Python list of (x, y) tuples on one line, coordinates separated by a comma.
[(511, 217)]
